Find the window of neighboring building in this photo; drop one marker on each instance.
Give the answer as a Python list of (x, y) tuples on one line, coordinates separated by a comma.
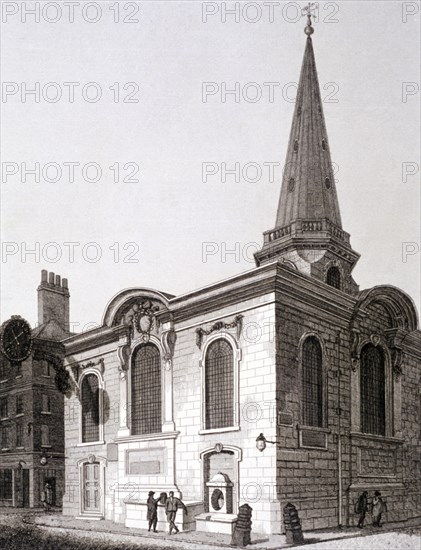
[(46, 403), (219, 385), (5, 441), (3, 367), (5, 484), (146, 400), (312, 382), (19, 404), (18, 369), (372, 390), (45, 436), (46, 368), (4, 413), (333, 277), (90, 408), (19, 435)]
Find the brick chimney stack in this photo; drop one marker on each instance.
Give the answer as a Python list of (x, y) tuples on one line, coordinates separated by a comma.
[(53, 300)]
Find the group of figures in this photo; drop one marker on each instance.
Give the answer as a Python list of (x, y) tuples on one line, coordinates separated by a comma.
[(378, 506), (171, 503)]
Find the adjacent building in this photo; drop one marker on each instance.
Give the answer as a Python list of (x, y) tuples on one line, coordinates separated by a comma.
[(31, 405), (282, 384)]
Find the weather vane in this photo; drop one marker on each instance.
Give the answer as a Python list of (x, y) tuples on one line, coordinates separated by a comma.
[(309, 10)]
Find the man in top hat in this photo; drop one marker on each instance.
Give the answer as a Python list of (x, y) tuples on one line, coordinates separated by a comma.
[(152, 515)]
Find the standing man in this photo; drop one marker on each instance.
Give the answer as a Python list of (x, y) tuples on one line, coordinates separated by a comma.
[(171, 507), (47, 497), (152, 514), (379, 506), (361, 508)]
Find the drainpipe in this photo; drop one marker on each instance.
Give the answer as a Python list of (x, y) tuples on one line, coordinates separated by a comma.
[(339, 412)]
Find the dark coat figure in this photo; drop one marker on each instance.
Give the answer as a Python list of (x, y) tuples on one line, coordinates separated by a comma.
[(379, 506), (47, 497), (361, 508), (152, 514), (171, 507)]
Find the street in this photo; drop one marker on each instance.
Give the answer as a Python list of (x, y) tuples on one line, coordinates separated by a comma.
[(17, 533)]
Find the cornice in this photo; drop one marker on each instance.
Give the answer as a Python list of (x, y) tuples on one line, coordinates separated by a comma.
[(238, 289), (93, 338), (295, 287)]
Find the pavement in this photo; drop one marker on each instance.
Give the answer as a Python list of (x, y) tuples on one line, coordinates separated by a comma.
[(322, 539)]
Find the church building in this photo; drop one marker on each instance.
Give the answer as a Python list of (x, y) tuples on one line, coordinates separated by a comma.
[(285, 383)]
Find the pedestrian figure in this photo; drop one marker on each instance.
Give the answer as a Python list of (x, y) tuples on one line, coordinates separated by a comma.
[(47, 497), (361, 508), (379, 506), (171, 507), (152, 514)]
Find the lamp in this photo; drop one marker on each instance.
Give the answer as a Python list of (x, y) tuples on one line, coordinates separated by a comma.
[(261, 442)]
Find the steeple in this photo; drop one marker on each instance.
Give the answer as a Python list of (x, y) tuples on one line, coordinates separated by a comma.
[(308, 230)]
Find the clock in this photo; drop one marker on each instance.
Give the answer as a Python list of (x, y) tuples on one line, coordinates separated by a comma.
[(16, 341)]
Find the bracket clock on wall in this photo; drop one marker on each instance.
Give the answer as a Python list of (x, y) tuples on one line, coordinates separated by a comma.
[(16, 340)]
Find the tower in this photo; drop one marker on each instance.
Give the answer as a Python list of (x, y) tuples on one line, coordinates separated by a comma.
[(308, 233)]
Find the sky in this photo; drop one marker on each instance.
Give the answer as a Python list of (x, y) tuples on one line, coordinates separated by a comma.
[(131, 135)]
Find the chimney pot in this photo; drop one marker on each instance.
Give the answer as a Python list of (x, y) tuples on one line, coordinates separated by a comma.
[(53, 300)]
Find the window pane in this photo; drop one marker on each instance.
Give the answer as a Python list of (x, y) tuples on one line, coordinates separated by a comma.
[(19, 404), (219, 385), (6, 484), (372, 384), (90, 408), (3, 407), (312, 383), (333, 277), (45, 435), (19, 435), (146, 390)]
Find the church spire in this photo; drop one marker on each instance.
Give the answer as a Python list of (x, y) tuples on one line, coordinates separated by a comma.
[(308, 228), (308, 187)]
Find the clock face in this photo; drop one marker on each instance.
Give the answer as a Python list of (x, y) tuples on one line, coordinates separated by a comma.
[(16, 341)]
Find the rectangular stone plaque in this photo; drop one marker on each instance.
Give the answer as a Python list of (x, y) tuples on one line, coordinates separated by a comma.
[(284, 419), (310, 438), (146, 462)]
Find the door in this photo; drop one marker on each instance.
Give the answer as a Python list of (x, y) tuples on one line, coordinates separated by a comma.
[(91, 488), (52, 482), (25, 488)]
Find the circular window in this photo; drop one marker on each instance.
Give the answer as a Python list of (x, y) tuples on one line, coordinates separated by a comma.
[(217, 499), (327, 183), (291, 185)]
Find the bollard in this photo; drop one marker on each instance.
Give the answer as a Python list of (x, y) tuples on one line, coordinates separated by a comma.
[(293, 532), (242, 531)]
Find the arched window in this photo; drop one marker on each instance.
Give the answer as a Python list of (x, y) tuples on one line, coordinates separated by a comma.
[(219, 385), (333, 277), (312, 382), (372, 390), (90, 408), (146, 390)]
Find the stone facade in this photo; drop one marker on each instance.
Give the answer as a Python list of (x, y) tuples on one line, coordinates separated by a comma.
[(305, 344)]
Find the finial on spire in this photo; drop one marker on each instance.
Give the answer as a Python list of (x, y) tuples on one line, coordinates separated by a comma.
[(308, 11)]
